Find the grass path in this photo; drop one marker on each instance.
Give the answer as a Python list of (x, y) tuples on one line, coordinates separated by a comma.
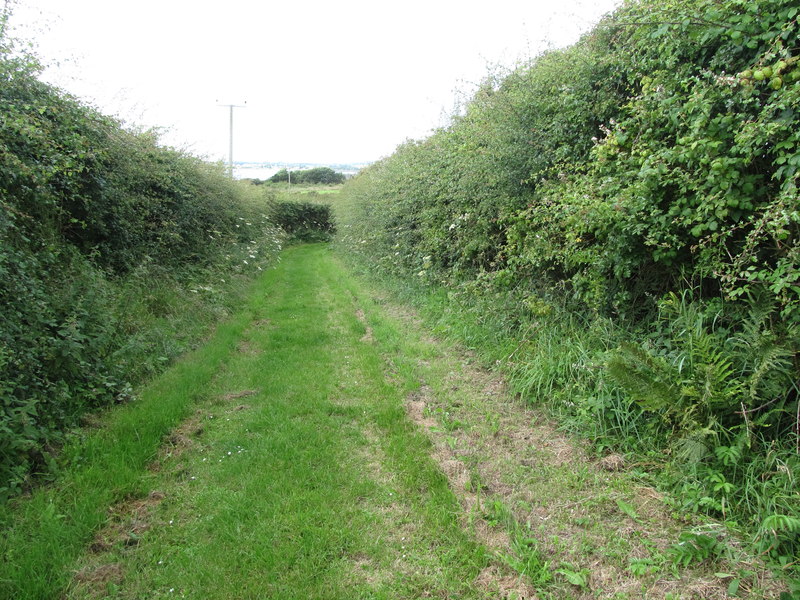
[(291, 471), (322, 446), (281, 485)]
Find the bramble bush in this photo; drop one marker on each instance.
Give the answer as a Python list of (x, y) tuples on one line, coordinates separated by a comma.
[(632, 203), (111, 247)]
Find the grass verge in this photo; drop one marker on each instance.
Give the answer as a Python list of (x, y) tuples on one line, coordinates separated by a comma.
[(46, 530)]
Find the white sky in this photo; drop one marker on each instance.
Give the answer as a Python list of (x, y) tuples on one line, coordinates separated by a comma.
[(325, 81)]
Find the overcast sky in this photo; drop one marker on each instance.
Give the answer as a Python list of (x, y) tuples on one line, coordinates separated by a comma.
[(324, 81)]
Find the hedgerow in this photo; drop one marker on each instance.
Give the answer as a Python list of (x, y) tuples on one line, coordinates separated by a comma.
[(103, 235), (303, 221), (647, 178)]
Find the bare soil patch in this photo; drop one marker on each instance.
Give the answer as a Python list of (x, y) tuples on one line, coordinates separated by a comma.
[(368, 337), (238, 395), (128, 521)]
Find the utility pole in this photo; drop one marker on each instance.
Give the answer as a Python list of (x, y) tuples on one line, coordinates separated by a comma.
[(230, 135)]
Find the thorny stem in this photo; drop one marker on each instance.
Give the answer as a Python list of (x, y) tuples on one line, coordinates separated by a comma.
[(746, 411)]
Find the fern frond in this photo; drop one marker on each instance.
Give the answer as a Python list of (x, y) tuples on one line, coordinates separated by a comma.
[(781, 524), (775, 361), (644, 377), (696, 444)]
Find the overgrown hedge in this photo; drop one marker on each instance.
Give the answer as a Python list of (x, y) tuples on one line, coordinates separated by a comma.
[(643, 181), (100, 229)]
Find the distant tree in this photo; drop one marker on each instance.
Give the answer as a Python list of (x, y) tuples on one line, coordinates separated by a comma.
[(317, 175), (323, 175), (280, 176)]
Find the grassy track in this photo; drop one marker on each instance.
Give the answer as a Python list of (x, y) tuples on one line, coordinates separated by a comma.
[(291, 471), (322, 446)]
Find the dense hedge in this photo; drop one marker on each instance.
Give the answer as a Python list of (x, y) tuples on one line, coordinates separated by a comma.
[(100, 227), (303, 221), (644, 177)]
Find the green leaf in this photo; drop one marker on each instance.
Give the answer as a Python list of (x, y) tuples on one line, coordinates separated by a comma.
[(627, 509), (577, 578), (733, 587)]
